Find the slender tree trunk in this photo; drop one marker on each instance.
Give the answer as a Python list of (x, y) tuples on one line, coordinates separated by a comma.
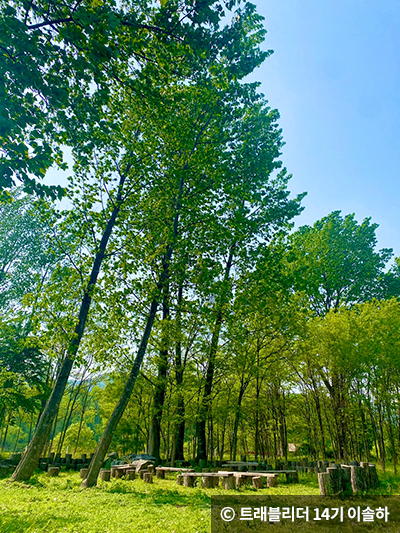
[(161, 383), (237, 418), (205, 403), (30, 429), (364, 431), (179, 432), (67, 419), (5, 432), (105, 441), (18, 434), (81, 418), (381, 437), (319, 415), (30, 459)]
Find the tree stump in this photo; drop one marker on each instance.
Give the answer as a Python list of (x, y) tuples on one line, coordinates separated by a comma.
[(366, 474), (119, 472), (357, 481), (229, 482), (150, 468), (240, 481), (142, 473), (147, 477), (83, 473), (272, 481), (324, 484), (105, 475), (346, 479), (131, 474), (189, 481), (160, 474), (179, 479), (257, 482), (207, 482), (53, 471), (335, 479)]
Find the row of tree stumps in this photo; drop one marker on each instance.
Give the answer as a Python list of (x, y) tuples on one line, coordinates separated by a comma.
[(348, 479)]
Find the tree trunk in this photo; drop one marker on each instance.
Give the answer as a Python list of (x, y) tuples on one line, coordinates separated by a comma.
[(205, 403), (161, 383), (105, 441), (81, 418), (237, 418), (179, 435), (34, 450)]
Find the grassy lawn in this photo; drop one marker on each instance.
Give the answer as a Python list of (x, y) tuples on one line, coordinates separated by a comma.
[(56, 505)]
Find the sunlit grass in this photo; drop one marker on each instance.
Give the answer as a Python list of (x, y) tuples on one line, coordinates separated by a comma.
[(56, 505)]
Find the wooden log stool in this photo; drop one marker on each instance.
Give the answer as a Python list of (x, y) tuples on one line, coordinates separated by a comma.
[(105, 475), (179, 479), (257, 482), (189, 481), (229, 482), (324, 485), (357, 479), (160, 473), (119, 473), (272, 481), (207, 482), (53, 471), (147, 477), (131, 474), (240, 481), (83, 473)]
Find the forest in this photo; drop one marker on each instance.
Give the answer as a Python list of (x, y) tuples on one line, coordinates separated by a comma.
[(163, 302)]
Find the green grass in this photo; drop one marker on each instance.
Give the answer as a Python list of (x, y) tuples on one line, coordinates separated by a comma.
[(58, 505)]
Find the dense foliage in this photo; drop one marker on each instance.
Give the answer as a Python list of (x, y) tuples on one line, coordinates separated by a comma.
[(170, 308)]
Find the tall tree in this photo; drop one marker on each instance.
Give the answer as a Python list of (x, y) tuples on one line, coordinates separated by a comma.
[(60, 61), (336, 262)]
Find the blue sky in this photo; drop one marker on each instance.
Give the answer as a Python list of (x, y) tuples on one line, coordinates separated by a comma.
[(335, 79)]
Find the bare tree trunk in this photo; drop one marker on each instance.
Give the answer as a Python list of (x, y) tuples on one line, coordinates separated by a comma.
[(30, 458), (18, 434), (6, 431), (179, 433), (105, 441), (161, 382), (364, 431), (205, 403), (242, 390), (81, 418)]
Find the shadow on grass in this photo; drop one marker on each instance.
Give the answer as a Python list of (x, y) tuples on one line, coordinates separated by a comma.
[(10, 523), (161, 496)]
